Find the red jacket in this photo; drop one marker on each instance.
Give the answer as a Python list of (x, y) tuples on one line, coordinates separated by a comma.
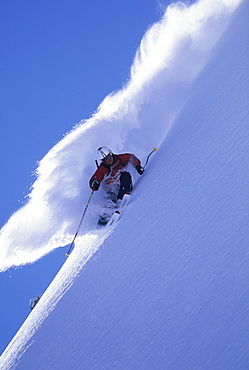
[(113, 171)]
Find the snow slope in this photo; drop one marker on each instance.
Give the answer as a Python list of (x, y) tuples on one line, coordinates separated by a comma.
[(168, 288), (134, 119)]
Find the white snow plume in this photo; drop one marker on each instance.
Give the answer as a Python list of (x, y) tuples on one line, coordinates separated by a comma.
[(135, 119)]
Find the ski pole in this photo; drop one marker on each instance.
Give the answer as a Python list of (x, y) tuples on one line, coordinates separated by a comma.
[(83, 215), (154, 150)]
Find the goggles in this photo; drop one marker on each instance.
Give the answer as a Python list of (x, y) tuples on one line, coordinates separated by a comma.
[(108, 158)]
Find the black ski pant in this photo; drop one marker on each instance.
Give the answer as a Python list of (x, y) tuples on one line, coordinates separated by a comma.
[(125, 184)]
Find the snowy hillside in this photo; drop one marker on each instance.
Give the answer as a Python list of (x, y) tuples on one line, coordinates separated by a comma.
[(167, 289), (134, 119)]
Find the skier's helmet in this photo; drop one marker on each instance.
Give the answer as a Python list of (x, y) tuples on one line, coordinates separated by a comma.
[(103, 152)]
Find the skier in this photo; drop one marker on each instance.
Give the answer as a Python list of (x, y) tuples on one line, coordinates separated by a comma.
[(116, 180)]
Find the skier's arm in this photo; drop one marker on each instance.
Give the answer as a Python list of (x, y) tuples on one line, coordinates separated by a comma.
[(131, 158), (137, 165), (98, 177)]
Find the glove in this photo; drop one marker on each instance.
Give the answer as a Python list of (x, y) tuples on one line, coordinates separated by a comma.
[(94, 184), (140, 169)]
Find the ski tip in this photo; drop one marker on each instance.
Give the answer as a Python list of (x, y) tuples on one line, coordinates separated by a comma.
[(155, 149)]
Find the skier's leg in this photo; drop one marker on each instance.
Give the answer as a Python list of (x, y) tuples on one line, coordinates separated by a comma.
[(110, 205), (125, 184), (111, 196)]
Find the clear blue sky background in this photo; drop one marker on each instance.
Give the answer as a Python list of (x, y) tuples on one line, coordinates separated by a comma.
[(59, 59)]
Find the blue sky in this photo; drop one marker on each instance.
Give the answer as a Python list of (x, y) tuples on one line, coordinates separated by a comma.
[(59, 60)]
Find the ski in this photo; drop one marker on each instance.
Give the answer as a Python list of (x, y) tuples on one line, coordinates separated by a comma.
[(114, 217), (113, 220), (125, 200)]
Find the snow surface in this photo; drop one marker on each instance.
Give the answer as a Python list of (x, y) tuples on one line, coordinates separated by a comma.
[(168, 287)]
